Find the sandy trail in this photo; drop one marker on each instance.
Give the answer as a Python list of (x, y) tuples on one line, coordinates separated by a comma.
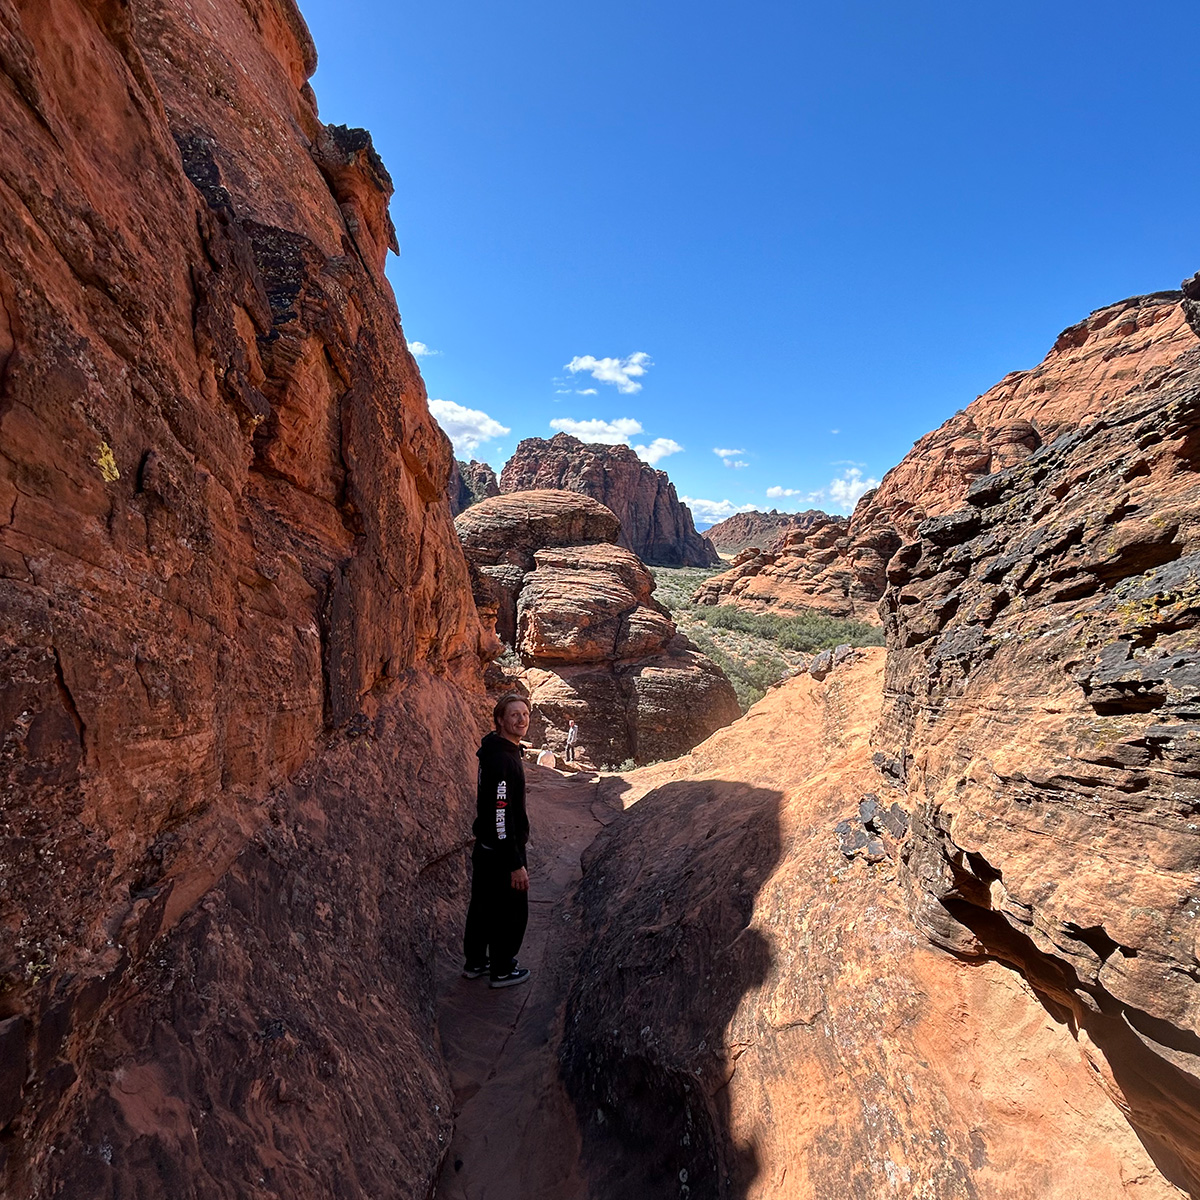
[(515, 1133)]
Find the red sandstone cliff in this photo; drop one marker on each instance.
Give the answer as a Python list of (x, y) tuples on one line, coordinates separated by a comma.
[(469, 483), (944, 920), (238, 639), (1092, 367), (654, 524)]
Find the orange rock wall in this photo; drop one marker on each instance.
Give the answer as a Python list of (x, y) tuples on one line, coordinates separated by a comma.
[(1092, 367), (238, 638)]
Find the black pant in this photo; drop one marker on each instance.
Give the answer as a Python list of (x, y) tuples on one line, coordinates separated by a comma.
[(497, 915), (570, 752)]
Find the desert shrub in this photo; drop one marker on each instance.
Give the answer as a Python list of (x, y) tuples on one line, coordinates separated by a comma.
[(674, 585), (806, 631)]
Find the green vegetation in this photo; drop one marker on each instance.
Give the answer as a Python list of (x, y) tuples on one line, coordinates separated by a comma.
[(807, 631), (756, 650)]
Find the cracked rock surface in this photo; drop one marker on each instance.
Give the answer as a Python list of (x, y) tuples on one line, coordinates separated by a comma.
[(753, 1016), (1043, 694)]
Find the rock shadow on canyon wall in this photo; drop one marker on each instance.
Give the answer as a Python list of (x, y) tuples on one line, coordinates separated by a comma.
[(661, 972)]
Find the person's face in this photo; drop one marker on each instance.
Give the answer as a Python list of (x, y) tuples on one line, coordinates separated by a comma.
[(514, 723)]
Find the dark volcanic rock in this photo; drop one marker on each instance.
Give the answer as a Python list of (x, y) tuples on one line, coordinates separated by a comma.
[(654, 524), (238, 645), (1044, 690)]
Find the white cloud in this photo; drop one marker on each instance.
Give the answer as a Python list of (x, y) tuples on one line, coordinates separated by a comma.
[(465, 427), (736, 463), (775, 493), (587, 392), (845, 492), (659, 448), (709, 512), (616, 433), (726, 454), (420, 350), (624, 372), (835, 431), (608, 433)]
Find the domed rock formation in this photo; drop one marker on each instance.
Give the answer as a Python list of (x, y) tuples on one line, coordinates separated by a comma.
[(470, 483), (1091, 368), (596, 646), (654, 524), (766, 530)]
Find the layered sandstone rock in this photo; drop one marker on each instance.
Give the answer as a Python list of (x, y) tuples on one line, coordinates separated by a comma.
[(1091, 368), (765, 530), (470, 483), (595, 644), (654, 524), (754, 1014), (1043, 699), (818, 568), (238, 641)]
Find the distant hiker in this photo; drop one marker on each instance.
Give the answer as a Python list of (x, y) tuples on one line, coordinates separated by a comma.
[(572, 738), (499, 908)]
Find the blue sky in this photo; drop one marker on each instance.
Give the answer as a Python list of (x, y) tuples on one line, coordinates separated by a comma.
[(801, 233)]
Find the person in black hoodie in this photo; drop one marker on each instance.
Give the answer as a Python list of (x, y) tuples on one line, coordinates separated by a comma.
[(499, 908)]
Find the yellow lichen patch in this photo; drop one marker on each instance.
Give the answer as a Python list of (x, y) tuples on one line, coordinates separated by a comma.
[(107, 463)]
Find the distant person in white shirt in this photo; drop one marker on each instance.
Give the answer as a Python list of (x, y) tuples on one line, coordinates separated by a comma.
[(572, 738)]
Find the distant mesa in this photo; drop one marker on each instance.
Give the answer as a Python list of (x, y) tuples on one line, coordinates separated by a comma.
[(470, 483), (592, 642), (766, 530), (654, 524)]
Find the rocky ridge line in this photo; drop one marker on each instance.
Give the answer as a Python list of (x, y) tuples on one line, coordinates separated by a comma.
[(1092, 366)]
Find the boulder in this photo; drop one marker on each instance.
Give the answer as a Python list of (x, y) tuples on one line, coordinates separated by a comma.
[(595, 645), (654, 524)]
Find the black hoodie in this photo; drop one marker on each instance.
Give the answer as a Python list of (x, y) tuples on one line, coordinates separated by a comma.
[(500, 821)]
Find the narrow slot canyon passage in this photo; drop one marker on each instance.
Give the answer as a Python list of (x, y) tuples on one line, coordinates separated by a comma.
[(514, 1125)]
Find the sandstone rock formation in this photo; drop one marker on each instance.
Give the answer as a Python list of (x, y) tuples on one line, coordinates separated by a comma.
[(238, 642), (470, 483), (1091, 368), (654, 524), (1043, 697), (817, 568), (766, 530), (772, 1022), (595, 644)]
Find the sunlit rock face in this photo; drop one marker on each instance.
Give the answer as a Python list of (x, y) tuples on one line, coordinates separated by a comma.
[(654, 524), (756, 1013), (1043, 699), (469, 483), (240, 653), (595, 645), (1091, 369)]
